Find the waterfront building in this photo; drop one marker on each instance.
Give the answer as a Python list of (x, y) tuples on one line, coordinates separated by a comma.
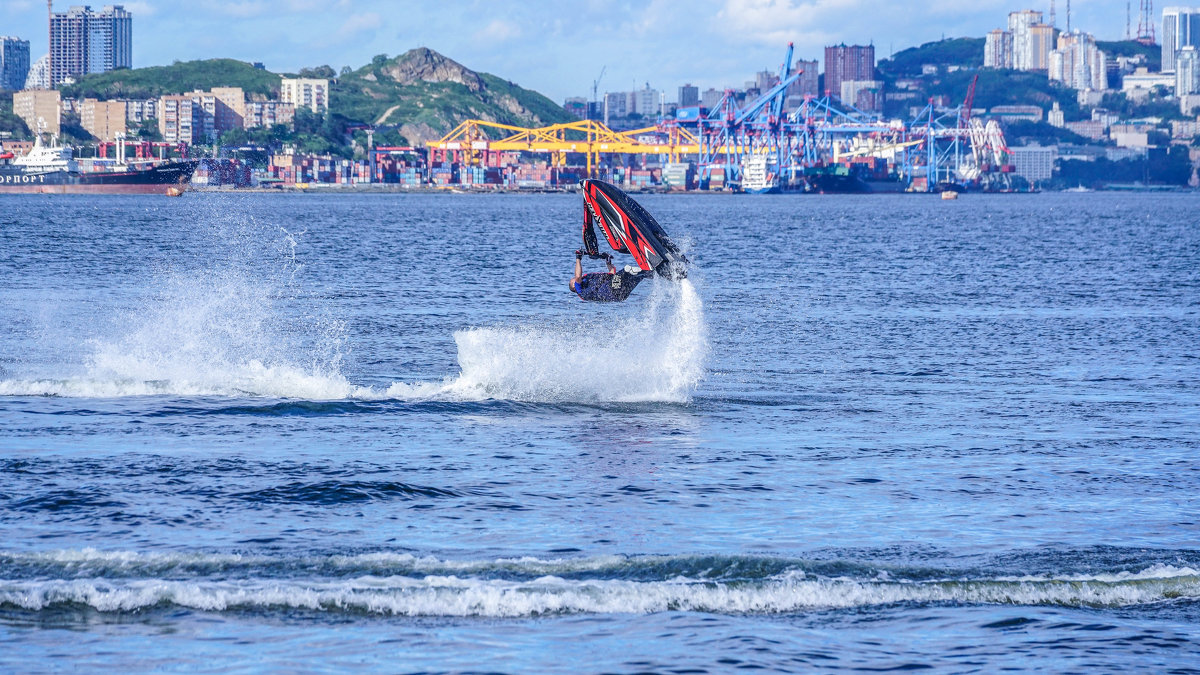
[(1181, 28), (139, 111), (175, 116), (305, 92), (39, 74), (1034, 162), (998, 49), (866, 95), (1055, 117), (808, 84), (1138, 84), (268, 114), (711, 98), (764, 80), (645, 102), (84, 41), (577, 106), (39, 105), (14, 63), (1078, 63), (844, 64), (104, 119), (615, 105), (689, 96), (1093, 129), (1011, 113)]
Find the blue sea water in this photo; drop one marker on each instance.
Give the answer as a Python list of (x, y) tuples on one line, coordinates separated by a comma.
[(243, 432)]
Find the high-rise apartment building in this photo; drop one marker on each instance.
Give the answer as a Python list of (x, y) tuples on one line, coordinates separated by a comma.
[(1181, 28), (689, 95), (304, 92), (201, 116), (1078, 63), (83, 41), (843, 64), (14, 62), (268, 114), (1032, 40), (175, 117), (998, 49)]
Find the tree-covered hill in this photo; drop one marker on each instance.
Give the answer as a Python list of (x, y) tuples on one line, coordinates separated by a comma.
[(178, 78), (962, 52)]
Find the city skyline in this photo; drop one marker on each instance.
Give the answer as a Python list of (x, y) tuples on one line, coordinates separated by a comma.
[(556, 50)]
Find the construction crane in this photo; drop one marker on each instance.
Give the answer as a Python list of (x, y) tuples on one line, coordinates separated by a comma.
[(595, 89), (968, 102)]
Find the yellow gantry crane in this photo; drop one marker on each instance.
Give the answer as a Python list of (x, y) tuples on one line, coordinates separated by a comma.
[(472, 138)]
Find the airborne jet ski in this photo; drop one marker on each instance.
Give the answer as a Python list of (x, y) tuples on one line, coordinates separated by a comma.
[(629, 229)]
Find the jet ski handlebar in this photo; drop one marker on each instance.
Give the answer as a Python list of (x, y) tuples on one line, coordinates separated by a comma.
[(593, 256)]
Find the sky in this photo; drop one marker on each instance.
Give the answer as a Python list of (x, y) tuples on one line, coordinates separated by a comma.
[(557, 47)]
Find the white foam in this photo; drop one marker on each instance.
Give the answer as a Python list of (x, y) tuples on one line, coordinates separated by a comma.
[(657, 355), (464, 596)]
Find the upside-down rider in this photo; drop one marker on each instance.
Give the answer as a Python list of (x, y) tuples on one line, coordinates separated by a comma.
[(613, 286)]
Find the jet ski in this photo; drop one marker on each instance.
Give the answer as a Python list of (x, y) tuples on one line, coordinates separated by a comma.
[(629, 229)]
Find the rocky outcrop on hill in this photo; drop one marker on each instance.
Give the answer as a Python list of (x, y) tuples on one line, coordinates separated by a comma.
[(424, 95), (425, 65)]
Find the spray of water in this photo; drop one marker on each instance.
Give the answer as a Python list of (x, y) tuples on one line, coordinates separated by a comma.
[(242, 327)]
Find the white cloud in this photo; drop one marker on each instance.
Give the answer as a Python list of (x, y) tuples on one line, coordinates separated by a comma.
[(499, 30), (354, 27)]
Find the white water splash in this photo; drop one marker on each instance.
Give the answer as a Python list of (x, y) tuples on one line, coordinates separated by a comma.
[(220, 335), (657, 355)]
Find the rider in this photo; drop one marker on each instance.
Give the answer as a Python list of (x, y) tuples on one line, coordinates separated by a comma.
[(611, 287)]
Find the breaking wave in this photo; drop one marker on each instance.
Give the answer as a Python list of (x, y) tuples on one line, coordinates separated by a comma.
[(406, 585)]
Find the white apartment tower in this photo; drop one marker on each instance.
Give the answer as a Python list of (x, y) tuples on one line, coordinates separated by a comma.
[(1077, 62), (998, 49), (1187, 71), (304, 92), (1032, 40)]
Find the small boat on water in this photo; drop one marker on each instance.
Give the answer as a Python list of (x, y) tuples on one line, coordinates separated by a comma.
[(52, 169)]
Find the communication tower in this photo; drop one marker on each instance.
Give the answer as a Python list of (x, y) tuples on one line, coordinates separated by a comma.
[(1146, 23)]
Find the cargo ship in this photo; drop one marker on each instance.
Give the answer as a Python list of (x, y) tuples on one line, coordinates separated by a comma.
[(51, 169), (855, 178)]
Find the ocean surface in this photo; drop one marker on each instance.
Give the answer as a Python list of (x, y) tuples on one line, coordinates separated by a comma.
[(319, 432)]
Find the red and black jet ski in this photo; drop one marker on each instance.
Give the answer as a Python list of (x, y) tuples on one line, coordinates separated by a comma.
[(629, 229)]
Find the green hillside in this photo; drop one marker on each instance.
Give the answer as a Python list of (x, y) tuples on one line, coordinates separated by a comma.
[(178, 78), (962, 52), (1153, 53)]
